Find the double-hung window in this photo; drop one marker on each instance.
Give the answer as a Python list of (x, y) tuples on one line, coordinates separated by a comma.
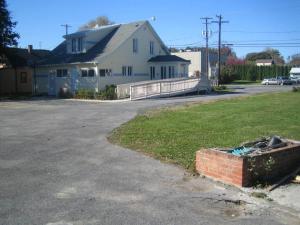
[(73, 44), (151, 47), (79, 44), (61, 73), (127, 70), (135, 45)]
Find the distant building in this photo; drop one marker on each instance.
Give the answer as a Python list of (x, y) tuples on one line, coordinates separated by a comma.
[(198, 62), (265, 62), (295, 72), (17, 69)]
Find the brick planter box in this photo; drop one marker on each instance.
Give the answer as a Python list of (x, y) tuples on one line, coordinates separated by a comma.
[(244, 171)]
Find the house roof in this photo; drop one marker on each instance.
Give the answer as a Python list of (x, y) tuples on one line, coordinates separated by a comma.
[(264, 61), (168, 58), (119, 34), (19, 57)]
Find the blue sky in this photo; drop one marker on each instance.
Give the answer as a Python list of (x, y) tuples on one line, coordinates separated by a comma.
[(273, 23)]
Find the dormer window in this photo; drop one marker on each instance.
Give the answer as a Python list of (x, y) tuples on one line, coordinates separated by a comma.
[(73, 45), (77, 46)]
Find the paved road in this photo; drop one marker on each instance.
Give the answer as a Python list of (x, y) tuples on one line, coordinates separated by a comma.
[(56, 168)]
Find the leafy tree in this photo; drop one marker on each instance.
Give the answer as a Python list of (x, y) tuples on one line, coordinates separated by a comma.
[(7, 35), (99, 21), (268, 53), (295, 60)]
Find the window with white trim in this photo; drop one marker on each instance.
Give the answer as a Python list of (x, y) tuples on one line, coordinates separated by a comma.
[(171, 71), (135, 45), (127, 70), (84, 73), (73, 45), (152, 72), (105, 72), (61, 73), (79, 44), (151, 47), (124, 70), (91, 72)]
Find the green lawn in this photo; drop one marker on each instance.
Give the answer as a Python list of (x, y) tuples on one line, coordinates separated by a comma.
[(175, 134)]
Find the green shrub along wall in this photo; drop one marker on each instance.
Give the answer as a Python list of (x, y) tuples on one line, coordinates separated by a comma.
[(251, 72)]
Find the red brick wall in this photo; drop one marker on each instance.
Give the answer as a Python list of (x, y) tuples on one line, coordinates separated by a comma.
[(244, 171)]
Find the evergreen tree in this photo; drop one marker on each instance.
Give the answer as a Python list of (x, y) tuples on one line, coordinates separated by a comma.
[(8, 37)]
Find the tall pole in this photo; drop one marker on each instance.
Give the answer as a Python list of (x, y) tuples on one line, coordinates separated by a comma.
[(206, 40), (66, 27), (220, 22)]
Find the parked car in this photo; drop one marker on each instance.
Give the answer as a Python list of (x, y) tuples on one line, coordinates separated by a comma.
[(295, 80), (284, 81), (269, 81)]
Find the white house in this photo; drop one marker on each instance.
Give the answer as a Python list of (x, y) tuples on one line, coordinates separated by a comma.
[(114, 54), (198, 62), (264, 62)]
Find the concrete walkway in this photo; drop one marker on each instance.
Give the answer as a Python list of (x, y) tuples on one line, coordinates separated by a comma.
[(56, 168)]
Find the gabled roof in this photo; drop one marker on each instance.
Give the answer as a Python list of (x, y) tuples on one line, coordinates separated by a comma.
[(119, 34), (168, 58), (19, 57)]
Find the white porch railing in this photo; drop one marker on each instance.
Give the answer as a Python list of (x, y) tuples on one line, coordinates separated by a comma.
[(161, 88)]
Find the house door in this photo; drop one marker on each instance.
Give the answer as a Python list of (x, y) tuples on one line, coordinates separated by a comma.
[(52, 85), (163, 72)]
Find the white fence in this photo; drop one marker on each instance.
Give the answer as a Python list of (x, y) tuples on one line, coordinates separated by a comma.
[(161, 88)]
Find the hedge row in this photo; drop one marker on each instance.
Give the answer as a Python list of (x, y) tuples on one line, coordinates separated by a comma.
[(252, 72)]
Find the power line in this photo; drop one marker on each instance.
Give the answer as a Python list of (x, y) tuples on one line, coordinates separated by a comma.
[(262, 32), (66, 27), (220, 22)]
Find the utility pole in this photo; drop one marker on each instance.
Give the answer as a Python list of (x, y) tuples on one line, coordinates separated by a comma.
[(220, 22), (66, 27), (206, 39)]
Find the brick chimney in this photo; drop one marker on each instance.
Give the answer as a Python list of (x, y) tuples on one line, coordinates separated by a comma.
[(30, 49)]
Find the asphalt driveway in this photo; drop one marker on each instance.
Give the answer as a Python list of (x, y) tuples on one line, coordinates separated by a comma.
[(57, 167)]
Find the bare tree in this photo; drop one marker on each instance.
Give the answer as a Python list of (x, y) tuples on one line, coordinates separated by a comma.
[(99, 21)]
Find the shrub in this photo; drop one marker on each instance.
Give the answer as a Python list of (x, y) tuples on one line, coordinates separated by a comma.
[(84, 94), (228, 75), (109, 93)]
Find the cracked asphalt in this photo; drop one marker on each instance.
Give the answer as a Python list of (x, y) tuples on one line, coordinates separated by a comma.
[(57, 168)]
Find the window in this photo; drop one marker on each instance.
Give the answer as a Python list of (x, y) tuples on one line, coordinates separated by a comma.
[(124, 70), (84, 73), (129, 69), (151, 47), (73, 45), (152, 72), (135, 45), (163, 72), (91, 73), (23, 78), (61, 73), (171, 71), (79, 44), (104, 72)]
